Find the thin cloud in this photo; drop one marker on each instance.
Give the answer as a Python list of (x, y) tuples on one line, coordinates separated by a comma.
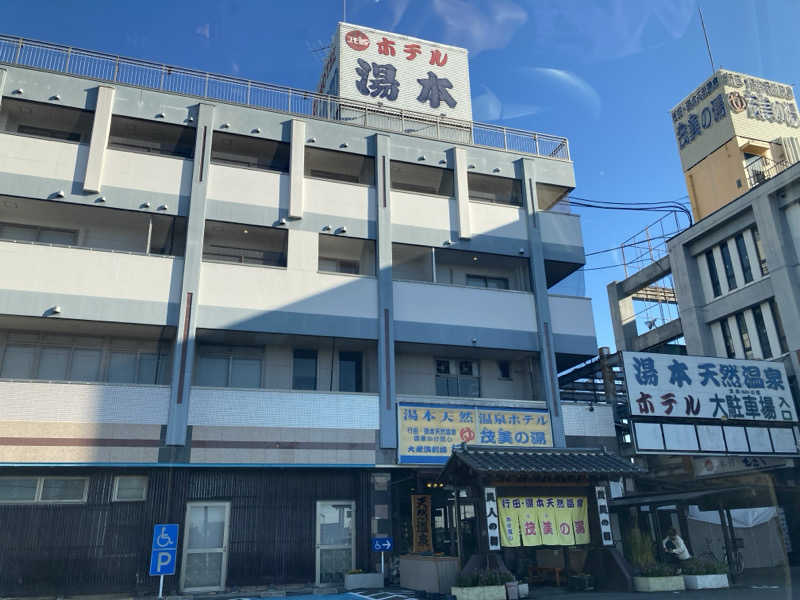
[(478, 28), (609, 29), (569, 83), (204, 31), (488, 107), (235, 67)]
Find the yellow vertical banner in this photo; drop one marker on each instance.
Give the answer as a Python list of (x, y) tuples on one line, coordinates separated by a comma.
[(546, 509), (529, 523), (564, 521), (580, 521), (509, 525)]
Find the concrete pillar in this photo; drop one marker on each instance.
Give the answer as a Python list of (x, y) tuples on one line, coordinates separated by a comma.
[(93, 180), (386, 375), (784, 270), (623, 318), (297, 159), (3, 77), (462, 193), (183, 355), (689, 291), (542, 301)]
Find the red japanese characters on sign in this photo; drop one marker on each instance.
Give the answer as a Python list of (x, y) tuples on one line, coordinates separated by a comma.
[(357, 40)]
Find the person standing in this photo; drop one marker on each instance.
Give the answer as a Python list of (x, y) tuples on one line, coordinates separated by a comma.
[(675, 548)]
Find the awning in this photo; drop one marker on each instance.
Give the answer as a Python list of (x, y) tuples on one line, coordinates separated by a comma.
[(534, 463), (706, 499)]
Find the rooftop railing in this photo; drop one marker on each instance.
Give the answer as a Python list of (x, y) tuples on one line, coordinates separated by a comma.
[(143, 74)]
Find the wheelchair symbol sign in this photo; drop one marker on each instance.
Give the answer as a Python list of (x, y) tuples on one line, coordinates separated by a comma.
[(165, 537)]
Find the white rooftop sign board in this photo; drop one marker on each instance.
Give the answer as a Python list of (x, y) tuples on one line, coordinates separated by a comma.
[(732, 104), (398, 71), (699, 404)]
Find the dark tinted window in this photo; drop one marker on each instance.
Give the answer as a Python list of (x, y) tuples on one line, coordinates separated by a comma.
[(744, 260), (712, 272), (46, 120), (761, 330), (423, 179), (244, 244), (490, 188), (339, 166), (304, 370), (256, 153), (744, 335), (350, 372), (726, 337), (728, 265), (151, 136)]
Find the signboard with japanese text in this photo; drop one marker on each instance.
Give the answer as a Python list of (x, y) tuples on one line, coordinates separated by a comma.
[(547, 520), (714, 466), (699, 404), (398, 71), (428, 432), (732, 104), (492, 518), (422, 540)]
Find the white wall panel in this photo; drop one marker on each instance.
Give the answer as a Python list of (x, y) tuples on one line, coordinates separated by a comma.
[(24, 155), (148, 173), (498, 220), (571, 315), (248, 186), (265, 408)]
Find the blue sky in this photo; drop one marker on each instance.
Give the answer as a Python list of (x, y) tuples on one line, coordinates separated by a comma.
[(603, 73)]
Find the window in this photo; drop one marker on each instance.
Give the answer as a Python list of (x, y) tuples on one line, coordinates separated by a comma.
[(228, 367), (304, 370), (339, 166), (79, 358), (246, 245), (491, 188), (504, 366), (51, 490), (730, 350), (496, 283), (46, 120), (256, 153), (761, 330), (137, 367), (457, 378), (152, 137), (744, 259), (728, 265), (712, 272), (409, 177), (42, 235), (744, 335), (129, 488), (351, 372), (762, 262), (776, 317), (338, 254)]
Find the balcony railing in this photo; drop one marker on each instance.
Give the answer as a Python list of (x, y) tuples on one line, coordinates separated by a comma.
[(762, 169), (177, 80)]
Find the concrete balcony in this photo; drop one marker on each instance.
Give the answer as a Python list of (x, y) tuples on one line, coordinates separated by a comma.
[(289, 427), (562, 243), (573, 326), (37, 168), (244, 195), (464, 316), (255, 298), (160, 180), (83, 423), (89, 284)]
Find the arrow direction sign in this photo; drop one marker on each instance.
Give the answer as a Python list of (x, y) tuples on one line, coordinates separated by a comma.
[(382, 544)]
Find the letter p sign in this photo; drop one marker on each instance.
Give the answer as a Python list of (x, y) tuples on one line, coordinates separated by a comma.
[(162, 562)]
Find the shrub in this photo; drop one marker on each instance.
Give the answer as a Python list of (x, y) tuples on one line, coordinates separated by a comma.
[(696, 566), (639, 548), (657, 569), (482, 578)]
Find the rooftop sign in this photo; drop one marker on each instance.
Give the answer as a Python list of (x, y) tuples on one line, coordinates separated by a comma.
[(699, 404), (398, 71)]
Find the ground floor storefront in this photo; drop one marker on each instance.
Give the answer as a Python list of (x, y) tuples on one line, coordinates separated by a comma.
[(87, 530)]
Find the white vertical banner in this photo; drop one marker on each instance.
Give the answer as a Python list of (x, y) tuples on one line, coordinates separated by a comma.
[(492, 518), (603, 515)]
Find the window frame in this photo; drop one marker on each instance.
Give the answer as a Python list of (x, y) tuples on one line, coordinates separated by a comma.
[(713, 275), (744, 336), (744, 258), (727, 265), (410, 189), (762, 260), (229, 355), (761, 332), (142, 148), (365, 177), (315, 352), (456, 376), (486, 280), (39, 229), (40, 481), (359, 372), (280, 147), (516, 186), (81, 114), (115, 492), (727, 338)]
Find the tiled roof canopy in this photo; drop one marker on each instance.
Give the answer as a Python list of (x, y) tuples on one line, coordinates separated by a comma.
[(504, 461)]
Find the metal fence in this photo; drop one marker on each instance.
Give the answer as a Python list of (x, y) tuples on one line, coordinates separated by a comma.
[(143, 74)]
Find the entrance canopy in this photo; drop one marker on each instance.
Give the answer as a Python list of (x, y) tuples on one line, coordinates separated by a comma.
[(471, 463)]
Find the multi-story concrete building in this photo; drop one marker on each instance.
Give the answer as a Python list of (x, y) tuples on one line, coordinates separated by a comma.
[(215, 293)]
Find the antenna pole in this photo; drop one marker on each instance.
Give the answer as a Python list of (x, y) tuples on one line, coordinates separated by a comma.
[(344, 10), (705, 34)]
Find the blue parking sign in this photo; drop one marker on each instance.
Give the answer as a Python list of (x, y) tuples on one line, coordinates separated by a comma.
[(164, 549)]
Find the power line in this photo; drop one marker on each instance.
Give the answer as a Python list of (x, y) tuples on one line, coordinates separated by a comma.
[(593, 252)]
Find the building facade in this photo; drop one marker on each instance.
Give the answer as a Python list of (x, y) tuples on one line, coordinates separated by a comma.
[(217, 293)]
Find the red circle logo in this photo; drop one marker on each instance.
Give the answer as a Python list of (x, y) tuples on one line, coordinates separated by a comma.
[(565, 528), (737, 102), (467, 435), (357, 40)]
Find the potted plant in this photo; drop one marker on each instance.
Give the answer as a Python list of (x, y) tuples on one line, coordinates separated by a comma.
[(482, 585), (357, 579), (705, 574), (652, 576)]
